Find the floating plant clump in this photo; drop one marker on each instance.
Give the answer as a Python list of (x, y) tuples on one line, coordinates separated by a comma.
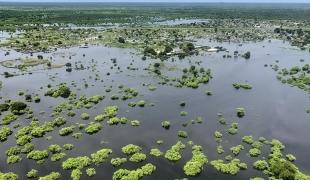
[(194, 166), (174, 153)]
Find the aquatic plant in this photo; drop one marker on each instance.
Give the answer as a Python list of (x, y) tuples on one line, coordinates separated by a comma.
[(8, 176), (33, 173), (113, 121), (141, 103), (131, 149), (51, 176), (240, 112), (254, 152), (76, 174), (155, 152), (233, 129), (17, 107), (59, 121), (111, 111), (58, 156), (100, 156), (218, 135), (4, 133), (54, 148), (233, 167), (66, 130), (248, 139), (290, 157), (242, 86), (68, 146), (236, 149), (37, 154), (194, 166), (220, 149), (13, 159), (100, 117), (4, 107), (118, 161), (61, 91), (183, 113), (174, 153), (14, 150), (8, 118), (182, 134), (137, 174), (85, 116), (260, 165), (90, 172), (76, 162), (137, 157), (165, 124), (135, 122), (93, 128)]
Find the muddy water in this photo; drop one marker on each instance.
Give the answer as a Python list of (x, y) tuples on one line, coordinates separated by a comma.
[(273, 109)]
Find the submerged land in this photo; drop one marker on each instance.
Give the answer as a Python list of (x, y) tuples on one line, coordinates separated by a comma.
[(129, 91)]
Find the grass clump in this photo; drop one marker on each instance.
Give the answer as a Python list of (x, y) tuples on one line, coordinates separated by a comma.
[(236, 149), (137, 157), (100, 156), (90, 172), (8, 118), (76, 163), (182, 134), (233, 129), (76, 174), (66, 131), (174, 153), (18, 107), (57, 156), (260, 165), (254, 152), (13, 159), (51, 176), (135, 123), (155, 152), (233, 167), (240, 112), (194, 166), (131, 149), (248, 139), (37, 155), (145, 170), (118, 161), (242, 86), (4, 133), (93, 128), (111, 111), (60, 91), (33, 173), (84, 116), (8, 176), (165, 124)]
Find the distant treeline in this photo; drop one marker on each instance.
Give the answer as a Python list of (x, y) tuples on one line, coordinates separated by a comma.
[(95, 13)]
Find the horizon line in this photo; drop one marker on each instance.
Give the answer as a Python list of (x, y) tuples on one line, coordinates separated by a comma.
[(220, 2)]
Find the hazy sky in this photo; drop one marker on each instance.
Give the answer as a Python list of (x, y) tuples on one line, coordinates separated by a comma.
[(262, 1)]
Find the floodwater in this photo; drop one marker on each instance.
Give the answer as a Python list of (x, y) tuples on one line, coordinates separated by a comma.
[(273, 109)]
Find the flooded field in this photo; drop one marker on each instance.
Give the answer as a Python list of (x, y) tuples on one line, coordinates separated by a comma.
[(273, 109), (129, 91)]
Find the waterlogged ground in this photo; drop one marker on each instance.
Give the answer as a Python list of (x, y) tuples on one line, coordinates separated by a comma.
[(273, 109)]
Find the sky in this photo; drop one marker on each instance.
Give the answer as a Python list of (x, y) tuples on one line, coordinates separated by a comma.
[(228, 1)]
